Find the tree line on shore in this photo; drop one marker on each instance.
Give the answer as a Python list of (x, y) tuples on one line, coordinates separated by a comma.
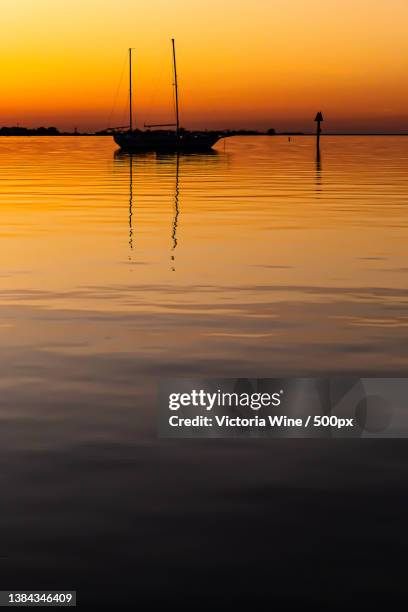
[(53, 131)]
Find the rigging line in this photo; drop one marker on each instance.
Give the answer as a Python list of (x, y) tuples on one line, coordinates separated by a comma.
[(174, 98), (124, 117), (157, 84), (174, 93), (175, 104), (117, 92)]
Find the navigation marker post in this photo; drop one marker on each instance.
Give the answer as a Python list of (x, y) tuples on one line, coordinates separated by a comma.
[(318, 119)]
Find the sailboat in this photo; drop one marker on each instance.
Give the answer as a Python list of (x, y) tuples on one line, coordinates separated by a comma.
[(175, 140)]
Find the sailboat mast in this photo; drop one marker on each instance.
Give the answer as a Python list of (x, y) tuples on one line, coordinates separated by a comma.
[(175, 86), (130, 92)]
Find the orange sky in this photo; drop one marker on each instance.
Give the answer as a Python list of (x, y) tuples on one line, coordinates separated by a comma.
[(242, 63)]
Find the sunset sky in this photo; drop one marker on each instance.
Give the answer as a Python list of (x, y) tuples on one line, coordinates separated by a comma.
[(241, 63)]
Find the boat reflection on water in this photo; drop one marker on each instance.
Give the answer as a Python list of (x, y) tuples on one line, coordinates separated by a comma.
[(176, 211), (130, 201), (165, 160)]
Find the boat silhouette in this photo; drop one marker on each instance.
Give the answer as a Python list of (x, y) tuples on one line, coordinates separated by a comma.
[(177, 140)]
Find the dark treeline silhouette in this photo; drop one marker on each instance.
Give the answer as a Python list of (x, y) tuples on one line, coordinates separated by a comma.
[(17, 130), (270, 132), (53, 131), (22, 131)]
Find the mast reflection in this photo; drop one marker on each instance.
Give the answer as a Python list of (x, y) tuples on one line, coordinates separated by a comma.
[(166, 162), (131, 201), (176, 212)]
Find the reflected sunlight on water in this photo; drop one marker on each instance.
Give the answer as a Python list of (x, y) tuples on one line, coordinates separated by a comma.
[(255, 260), (237, 255)]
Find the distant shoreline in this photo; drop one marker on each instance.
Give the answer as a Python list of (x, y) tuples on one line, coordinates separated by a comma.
[(41, 132), (310, 134), (349, 134)]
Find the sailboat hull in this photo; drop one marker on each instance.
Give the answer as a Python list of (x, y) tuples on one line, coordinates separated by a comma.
[(166, 141)]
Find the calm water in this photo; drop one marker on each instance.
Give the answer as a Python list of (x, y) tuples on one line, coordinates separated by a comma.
[(256, 260)]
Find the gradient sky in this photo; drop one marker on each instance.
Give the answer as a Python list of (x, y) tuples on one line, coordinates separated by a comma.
[(241, 63)]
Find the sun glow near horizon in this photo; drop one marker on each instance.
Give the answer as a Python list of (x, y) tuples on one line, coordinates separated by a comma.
[(247, 64)]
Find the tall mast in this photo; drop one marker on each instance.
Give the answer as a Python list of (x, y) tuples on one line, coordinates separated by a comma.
[(130, 92), (175, 86)]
